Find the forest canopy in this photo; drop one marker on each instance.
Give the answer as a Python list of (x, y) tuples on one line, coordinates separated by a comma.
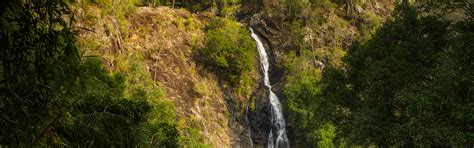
[(410, 84)]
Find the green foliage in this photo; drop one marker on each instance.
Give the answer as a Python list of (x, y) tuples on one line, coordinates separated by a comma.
[(194, 139), (224, 8), (449, 111), (296, 8), (117, 109), (295, 42), (406, 86), (111, 3), (102, 129), (228, 52), (38, 64), (140, 86), (151, 2), (229, 11), (51, 98), (115, 11), (302, 104), (308, 114), (300, 96), (202, 88), (370, 22), (327, 135), (409, 58)]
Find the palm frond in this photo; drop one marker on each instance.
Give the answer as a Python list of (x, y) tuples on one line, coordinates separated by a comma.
[(105, 129)]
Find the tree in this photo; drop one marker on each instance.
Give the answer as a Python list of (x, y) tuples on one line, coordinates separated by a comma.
[(49, 96), (443, 110), (38, 68), (393, 89), (301, 104), (394, 63), (228, 51)]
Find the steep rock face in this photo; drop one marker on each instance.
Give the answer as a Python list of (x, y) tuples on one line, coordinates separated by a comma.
[(270, 31), (166, 38), (260, 116), (274, 41)]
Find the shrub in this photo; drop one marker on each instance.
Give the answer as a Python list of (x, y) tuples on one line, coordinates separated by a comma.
[(228, 51), (370, 22), (202, 88), (305, 113)]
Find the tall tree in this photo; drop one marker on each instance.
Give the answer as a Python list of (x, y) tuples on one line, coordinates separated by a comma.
[(38, 68), (403, 86)]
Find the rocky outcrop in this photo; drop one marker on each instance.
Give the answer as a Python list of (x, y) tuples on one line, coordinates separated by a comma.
[(260, 117)]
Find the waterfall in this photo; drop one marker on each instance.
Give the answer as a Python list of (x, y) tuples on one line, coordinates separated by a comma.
[(278, 121)]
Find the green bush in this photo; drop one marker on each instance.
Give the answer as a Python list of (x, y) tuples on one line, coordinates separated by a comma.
[(370, 22), (228, 51), (301, 103), (150, 2), (229, 11), (194, 139), (161, 118), (120, 108), (327, 133)]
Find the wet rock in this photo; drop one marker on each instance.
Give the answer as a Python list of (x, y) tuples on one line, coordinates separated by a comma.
[(259, 119)]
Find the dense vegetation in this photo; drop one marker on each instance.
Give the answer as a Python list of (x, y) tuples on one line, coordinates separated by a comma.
[(407, 85), (51, 95), (410, 83), (229, 51), (224, 8), (315, 34), (353, 76)]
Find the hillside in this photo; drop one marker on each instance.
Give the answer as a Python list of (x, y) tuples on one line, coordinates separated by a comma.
[(166, 39), (236, 73)]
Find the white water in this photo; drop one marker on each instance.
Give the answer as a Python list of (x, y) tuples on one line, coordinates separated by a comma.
[(277, 116)]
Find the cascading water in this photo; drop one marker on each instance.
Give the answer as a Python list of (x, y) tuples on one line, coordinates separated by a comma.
[(277, 116)]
